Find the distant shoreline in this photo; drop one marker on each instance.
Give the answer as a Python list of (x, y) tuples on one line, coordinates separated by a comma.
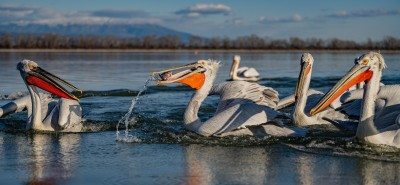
[(194, 50)]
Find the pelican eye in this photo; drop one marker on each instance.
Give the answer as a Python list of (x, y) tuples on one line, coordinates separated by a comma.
[(364, 62), (202, 62), (31, 66)]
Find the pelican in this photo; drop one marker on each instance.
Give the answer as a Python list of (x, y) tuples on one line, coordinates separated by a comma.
[(45, 113), (242, 73), (379, 122), (306, 98), (313, 96), (242, 104)]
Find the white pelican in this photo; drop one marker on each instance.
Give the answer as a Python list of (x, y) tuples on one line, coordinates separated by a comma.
[(379, 122), (242, 104), (306, 98), (44, 113), (242, 73)]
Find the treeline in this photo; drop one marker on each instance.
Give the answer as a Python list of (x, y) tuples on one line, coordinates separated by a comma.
[(53, 41)]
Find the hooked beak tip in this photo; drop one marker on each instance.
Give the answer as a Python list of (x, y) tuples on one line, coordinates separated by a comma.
[(75, 98)]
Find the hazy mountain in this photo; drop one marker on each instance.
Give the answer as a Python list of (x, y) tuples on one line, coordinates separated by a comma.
[(118, 30)]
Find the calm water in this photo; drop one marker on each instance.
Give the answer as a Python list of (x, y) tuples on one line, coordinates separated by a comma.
[(165, 153)]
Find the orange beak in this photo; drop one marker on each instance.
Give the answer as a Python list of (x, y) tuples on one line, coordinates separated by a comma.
[(305, 70), (193, 77), (356, 75), (195, 81)]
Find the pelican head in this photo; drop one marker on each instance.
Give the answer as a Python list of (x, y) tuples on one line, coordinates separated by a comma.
[(236, 58), (193, 75), (365, 66), (306, 63), (33, 75)]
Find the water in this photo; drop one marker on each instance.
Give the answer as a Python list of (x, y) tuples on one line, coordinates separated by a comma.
[(165, 153), (129, 118)]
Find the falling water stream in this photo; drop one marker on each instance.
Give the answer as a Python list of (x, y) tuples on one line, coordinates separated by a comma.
[(130, 118)]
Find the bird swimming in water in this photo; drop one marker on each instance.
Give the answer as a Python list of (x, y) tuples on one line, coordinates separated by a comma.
[(379, 122), (242, 73), (45, 113)]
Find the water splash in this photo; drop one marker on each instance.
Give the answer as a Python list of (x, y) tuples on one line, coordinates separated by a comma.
[(130, 118)]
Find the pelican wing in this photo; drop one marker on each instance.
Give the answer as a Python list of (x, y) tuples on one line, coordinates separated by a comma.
[(398, 119), (383, 127), (238, 92), (290, 100), (248, 72), (312, 100), (63, 114), (390, 93), (267, 130), (70, 113), (387, 107), (388, 97), (241, 70), (17, 105), (24, 103), (351, 101), (285, 102), (352, 95), (236, 116), (387, 111), (351, 109)]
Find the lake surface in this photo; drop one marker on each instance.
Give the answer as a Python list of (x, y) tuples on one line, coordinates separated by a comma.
[(163, 151)]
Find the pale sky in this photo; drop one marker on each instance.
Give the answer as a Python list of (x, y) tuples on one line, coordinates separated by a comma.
[(345, 19)]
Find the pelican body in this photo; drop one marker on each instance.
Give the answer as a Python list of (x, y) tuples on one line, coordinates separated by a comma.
[(45, 113), (379, 122), (242, 104), (242, 73)]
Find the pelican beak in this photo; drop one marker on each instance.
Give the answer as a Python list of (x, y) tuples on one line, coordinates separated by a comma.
[(191, 75), (359, 73), (47, 81), (305, 70)]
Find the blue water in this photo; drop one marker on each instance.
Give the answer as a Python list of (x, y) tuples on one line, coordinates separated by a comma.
[(166, 153)]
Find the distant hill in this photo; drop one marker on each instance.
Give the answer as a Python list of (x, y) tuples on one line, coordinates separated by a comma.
[(117, 30)]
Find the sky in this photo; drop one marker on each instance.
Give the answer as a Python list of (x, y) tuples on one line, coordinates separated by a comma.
[(278, 19)]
